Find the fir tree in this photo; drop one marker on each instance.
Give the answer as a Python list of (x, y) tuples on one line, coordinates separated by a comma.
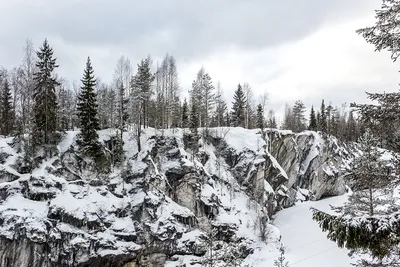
[(193, 136), (238, 108), (313, 121), (87, 114), (45, 100), (7, 111), (351, 131), (194, 118), (322, 122), (260, 117), (185, 114)]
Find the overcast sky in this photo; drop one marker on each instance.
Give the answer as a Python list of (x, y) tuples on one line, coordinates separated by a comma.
[(293, 49)]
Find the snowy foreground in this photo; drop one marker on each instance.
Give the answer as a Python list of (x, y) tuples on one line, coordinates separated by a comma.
[(306, 245)]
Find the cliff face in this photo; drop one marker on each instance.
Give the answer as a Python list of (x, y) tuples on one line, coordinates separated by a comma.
[(165, 206)]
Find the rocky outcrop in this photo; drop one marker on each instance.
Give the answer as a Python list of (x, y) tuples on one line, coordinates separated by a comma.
[(310, 162), (166, 203)]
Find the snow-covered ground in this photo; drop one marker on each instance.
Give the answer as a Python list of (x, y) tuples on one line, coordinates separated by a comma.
[(306, 245)]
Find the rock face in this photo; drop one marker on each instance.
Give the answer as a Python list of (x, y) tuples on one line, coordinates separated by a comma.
[(166, 205), (310, 162)]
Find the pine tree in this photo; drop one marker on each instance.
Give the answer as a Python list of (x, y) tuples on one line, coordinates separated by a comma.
[(357, 225), (351, 133), (238, 112), (322, 122), (142, 84), (298, 116), (194, 118), (260, 117), (313, 121), (209, 98), (45, 100), (185, 114), (193, 136), (367, 174), (87, 114), (7, 111), (203, 92)]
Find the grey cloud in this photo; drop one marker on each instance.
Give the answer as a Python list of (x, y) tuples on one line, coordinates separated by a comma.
[(187, 29)]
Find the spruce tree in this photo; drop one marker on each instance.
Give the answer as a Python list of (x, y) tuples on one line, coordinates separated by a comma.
[(238, 108), (322, 121), (368, 174), (313, 121), (185, 114), (194, 118), (7, 111), (87, 114), (260, 117), (365, 222), (193, 137), (45, 100), (351, 131)]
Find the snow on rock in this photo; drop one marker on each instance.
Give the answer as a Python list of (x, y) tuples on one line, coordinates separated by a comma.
[(165, 203)]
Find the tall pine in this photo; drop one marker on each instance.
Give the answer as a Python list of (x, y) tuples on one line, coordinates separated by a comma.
[(7, 111), (260, 117), (238, 108), (323, 120), (87, 114), (45, 100), (185, 114), (313, 120)]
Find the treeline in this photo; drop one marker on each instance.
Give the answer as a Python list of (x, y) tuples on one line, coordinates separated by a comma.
[(148, 96), (338, 121)]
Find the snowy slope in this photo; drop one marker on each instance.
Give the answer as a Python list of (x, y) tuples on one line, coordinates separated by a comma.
[(306, 245)]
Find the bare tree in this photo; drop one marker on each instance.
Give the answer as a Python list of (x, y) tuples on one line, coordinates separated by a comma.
[(249, 109), (122, 76), (25, 96)]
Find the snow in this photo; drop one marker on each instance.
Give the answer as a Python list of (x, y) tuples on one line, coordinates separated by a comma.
[(277, 165), (67, 141), (306, 245), (239, 138)]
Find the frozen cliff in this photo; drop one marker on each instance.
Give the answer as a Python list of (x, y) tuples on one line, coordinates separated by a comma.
[(165, 206)]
